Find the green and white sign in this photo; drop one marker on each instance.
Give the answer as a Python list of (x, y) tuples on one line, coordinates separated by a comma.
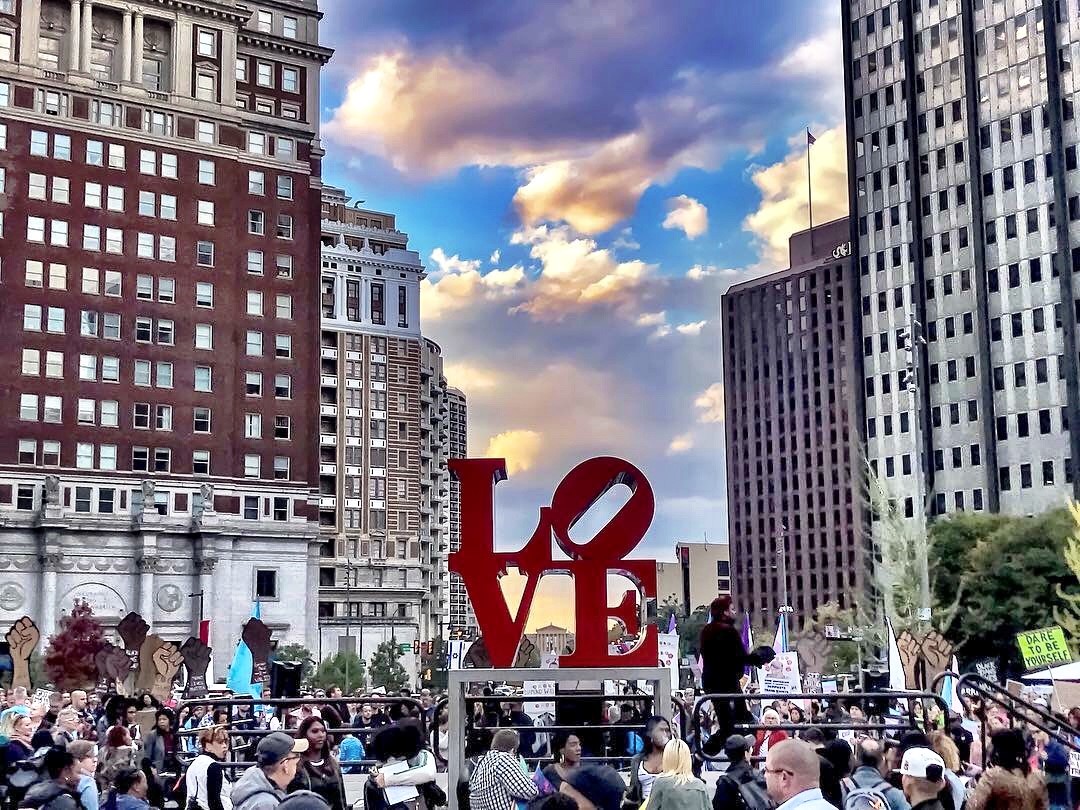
[(1044, 648)]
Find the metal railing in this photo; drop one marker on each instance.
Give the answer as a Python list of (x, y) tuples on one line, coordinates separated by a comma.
[(886, 725), (364, 734)]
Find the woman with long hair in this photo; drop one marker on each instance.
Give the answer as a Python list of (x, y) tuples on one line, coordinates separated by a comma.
[(318, 770), (677, 788), (1009, 783), (649, 764), (18, 730), (119, 753)]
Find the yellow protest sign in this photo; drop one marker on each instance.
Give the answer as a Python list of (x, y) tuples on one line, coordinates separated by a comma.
[(1044, 648)]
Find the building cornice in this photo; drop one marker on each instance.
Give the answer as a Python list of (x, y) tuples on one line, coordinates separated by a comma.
[(259, 39), (229, 12)]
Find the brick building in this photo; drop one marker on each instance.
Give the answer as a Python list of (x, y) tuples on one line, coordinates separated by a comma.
[(160, 178)]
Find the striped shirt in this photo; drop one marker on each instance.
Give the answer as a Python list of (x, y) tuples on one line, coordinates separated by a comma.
[(498, 781)]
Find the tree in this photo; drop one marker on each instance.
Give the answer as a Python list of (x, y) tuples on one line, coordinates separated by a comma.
[(899, 544), (386, 670), (297, 653), (859, 630), (688, 627), (1009, 579), (1068, 615), (344, 669), (69, 658)]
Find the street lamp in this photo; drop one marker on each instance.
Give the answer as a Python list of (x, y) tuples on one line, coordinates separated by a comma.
[(913, 337)]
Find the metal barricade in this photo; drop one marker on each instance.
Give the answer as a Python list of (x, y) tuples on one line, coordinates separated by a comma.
[(892, 724), (1016, 708), (416, 713)]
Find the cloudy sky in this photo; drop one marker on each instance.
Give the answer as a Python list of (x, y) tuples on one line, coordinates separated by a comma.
[(583, 179)]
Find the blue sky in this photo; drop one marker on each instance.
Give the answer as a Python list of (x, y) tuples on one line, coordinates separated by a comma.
[(583, 180)]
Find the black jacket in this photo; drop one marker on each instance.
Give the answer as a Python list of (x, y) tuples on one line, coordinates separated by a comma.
[(51, 795), (727, 795), (723, 657)]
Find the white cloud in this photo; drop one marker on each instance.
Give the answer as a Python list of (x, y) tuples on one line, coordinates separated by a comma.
[(700, 272), (520, 448), (495, 256), (680, 444), (471, 377), (625, 240), (710, 404), (691, 328), (651, 319), (687, 215), (456, 282)]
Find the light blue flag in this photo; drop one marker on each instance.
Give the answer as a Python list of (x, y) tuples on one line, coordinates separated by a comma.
[(239, 679)]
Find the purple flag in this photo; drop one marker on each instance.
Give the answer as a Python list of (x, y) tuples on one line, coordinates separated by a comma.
[(671, 623), (747, 636)]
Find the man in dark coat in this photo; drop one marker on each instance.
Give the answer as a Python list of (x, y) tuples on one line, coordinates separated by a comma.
[(723, 661)]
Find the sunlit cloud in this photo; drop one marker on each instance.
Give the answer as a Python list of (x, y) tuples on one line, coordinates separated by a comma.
[(710, 404), (520, 448), (687, 215), (784, 206), (691, 328), (680, 444)]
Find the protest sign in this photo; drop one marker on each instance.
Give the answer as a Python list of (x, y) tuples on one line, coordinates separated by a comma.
[(669, 656), (40, 698), (1044, 647), (986, 668), (781, 675), (536, 708), (1066, 695)]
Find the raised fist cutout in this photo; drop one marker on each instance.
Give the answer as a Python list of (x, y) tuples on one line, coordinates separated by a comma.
[(256, 636), (167, 660), (147, 672), (937, 653), (22, 638), (196, 656), (133, 629), (909, 647)]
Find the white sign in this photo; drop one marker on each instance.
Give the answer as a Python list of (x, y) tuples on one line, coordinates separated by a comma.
[(1074, 764), (669, 656), (40, 698), (781, 675), (536, 708), (842, 251)]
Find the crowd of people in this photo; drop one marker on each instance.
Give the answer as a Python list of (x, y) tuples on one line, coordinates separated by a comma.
[(80, 752)]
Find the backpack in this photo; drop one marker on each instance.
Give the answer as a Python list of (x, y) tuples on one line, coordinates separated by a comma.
[(860, 798), (752, 793)]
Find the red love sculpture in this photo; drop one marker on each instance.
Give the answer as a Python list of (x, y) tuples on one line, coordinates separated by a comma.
[(590, 563)]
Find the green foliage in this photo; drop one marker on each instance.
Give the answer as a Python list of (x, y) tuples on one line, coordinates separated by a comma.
[(995, 576), (865, 632), (344, 669), (900, 544), (1068, 616), (386, 670), (69, 658), (297, 653), (688, 627)]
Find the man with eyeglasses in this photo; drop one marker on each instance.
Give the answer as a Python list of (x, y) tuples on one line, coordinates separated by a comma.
[(793, 776), (263, 786)]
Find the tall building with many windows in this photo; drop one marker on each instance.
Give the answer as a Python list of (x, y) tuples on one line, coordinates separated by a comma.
[(965, 200), (793, 462), (384, 437), (159, 188), (460, 620)]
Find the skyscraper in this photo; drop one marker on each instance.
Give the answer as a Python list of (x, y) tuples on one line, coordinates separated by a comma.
[(385, 414), (792, 458), (964, 196), (159, 186)]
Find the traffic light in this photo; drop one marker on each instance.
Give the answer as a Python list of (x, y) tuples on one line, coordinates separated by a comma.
[(416, 646)]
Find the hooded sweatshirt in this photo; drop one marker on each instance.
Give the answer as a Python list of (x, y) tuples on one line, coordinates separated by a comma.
[(51, 795), (254, 791)]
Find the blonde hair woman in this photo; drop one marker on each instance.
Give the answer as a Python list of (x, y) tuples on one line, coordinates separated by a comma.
[(677, 788)]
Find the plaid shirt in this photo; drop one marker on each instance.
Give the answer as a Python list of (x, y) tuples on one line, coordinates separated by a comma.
[(498, 782)]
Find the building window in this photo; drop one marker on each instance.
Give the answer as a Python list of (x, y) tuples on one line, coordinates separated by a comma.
[(284, 187), (200, 462), (28, 451), (281, 468), (290, 79), (162, 459), (24, 497), (256, 223), (252, 466), (202, 420), (403, 308), (241, 69), (205, 86), (289, 27), (284, 226), (283, 386), (252, 426), (282, 427), (207, 43), (264, 21), (264, 74)]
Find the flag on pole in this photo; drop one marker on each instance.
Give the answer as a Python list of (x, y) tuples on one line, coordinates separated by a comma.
[(747, 635), (897, 679), (949, 692), (810, 139), (780, 641), (239, 678), (671, 626)]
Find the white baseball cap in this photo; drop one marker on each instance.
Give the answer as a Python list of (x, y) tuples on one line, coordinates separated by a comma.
[(922, 763)]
